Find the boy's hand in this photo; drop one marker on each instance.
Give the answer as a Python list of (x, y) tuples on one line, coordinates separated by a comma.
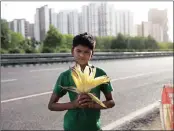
[(91, 104), (82, 101), (86, 102)]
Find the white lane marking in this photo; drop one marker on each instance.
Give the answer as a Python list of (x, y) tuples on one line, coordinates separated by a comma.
[(29, 96), (9, 80), (131, 116), (138, 75), (51, 69), (44, 93)]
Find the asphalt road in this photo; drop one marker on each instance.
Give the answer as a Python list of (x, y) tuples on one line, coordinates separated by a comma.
[(25, 91)]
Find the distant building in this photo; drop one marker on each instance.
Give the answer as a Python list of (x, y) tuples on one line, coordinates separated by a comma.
[(154, 30), (53, 18), (27, 24), (37, 26), (138, 29), (124, 22), (107, 25), (31, 31), (160, 17), (62, 18), (18, 25), (85, 18), (80, 23), (146, 29), (93, 19), (42, 22), (73, 22), (99, 19), (157, 32)]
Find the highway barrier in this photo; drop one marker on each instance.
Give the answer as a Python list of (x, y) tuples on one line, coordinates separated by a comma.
[(16, 59)]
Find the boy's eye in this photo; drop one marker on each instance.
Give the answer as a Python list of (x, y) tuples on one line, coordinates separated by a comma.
[(87, 52)]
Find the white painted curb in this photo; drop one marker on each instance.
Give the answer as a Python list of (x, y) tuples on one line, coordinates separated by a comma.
[(132, 116)]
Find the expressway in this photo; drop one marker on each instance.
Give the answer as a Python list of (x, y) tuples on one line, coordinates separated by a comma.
[(25, 91)]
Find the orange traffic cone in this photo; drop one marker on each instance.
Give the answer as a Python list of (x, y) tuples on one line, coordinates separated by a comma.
[(167, 108)]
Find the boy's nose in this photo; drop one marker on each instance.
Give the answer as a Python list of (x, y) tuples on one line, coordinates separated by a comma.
[(81, 55)]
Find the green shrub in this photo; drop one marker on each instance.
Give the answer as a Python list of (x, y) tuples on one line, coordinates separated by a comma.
[(47, 50), (14, 51), (3, 51)]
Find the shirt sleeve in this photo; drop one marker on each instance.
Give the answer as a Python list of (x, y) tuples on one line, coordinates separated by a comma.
[(57, 88), (107, 87)]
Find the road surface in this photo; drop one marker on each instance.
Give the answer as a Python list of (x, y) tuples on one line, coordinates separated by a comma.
[(25, 91)]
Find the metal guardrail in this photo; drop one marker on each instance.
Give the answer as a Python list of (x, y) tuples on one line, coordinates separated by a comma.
[(13, 59)]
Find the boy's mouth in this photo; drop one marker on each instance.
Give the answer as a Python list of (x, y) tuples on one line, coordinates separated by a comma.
[(81, 59)]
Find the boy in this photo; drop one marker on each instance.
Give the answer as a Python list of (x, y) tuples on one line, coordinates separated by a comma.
[(83, 114)]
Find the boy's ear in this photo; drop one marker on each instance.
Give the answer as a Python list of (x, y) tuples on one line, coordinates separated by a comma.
[(92, 54), (72, 51)]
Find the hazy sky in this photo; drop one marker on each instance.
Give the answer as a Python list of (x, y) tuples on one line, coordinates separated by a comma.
[(17, 10)]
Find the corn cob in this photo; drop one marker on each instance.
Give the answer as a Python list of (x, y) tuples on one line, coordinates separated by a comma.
[(85, 81)]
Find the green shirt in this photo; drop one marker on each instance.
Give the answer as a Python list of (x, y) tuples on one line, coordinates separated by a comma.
[(81, 119)]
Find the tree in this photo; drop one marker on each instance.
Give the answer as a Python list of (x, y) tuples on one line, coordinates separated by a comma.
[(68, 40), (16, 39), (35, 43), (53, 38), (151, 43), (119, 42), (136, 43), (165, 46), (5, 39), (108, 42), (170, 45), (99, 43)]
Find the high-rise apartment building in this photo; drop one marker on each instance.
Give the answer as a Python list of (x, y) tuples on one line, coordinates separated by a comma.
[(23, 27), (80, 23), (42, 22), (85, 18), (62, 19), (37, 26), (18, 25), (154, 30), (53, 18), (13, 25), (93, 19), (73, 22), (31, 31), (107, 26), (124, 22), (157, 32), (138, 30), (99, 19), (146, 29), (27, 24), (160, 17)]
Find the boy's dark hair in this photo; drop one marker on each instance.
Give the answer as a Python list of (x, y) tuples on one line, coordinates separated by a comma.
[(84, 39)]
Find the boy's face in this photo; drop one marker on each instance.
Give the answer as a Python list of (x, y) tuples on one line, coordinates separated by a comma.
[(82, 54)]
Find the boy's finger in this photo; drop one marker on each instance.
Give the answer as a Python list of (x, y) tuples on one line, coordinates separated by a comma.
[(85, 104), (84, 101), (82, 95), (91, 104), (85, 96), (78, 97)]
